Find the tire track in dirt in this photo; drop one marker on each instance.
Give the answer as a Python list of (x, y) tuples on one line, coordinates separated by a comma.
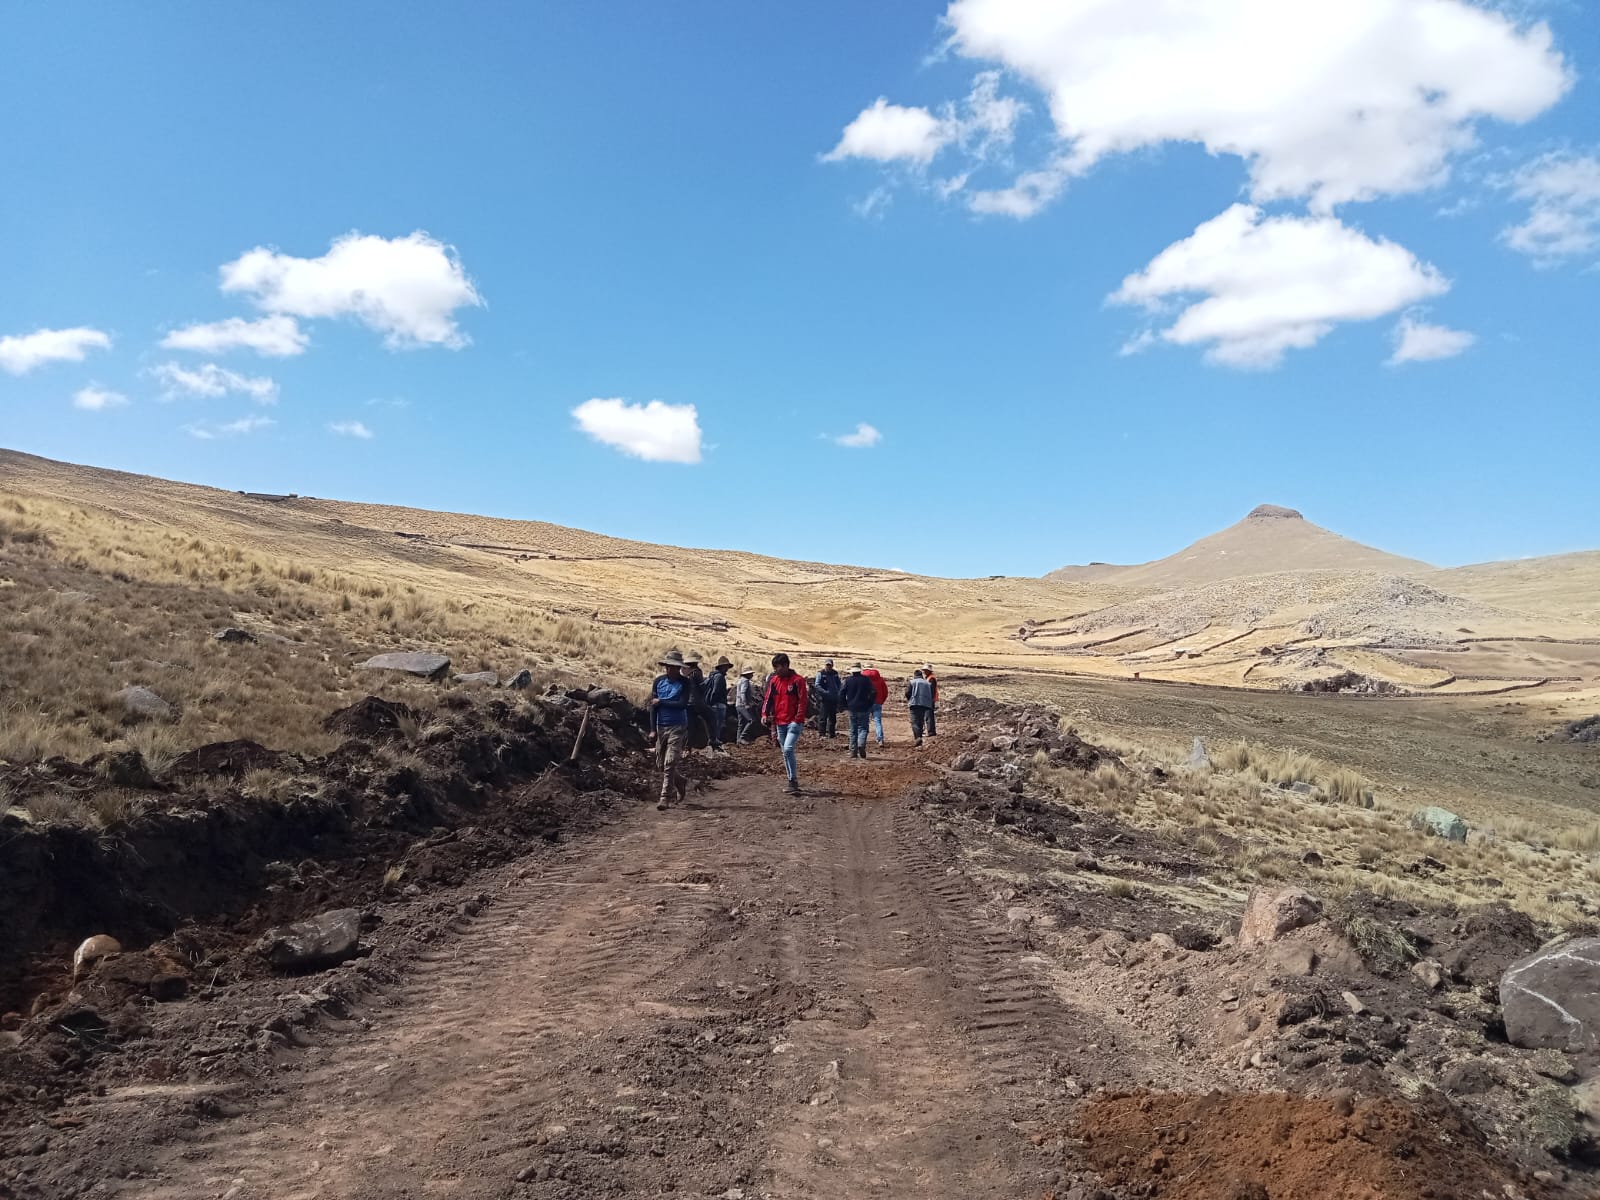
[(753, 994)]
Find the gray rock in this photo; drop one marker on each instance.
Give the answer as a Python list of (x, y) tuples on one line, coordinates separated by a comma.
[(1301, 788), (964, 762), (235, 636), (1268, 915), (522, 680), (1551, 998), (1003, 742), (323, 941), (1440, 822), (410, 662), (480, 678), (1429, 974), (1198, 756), (140, 701)]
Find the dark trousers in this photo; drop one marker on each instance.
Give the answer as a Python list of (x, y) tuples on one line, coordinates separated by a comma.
[(719, 714), (749, 726), (827, 718), (933, 722), (920, 715)]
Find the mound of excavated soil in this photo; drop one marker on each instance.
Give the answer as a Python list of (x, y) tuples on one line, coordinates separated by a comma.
[(1282, 1147)]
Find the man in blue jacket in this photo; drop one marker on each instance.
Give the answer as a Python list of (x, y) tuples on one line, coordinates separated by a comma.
[(828, 690), (860, 697), (672, 699), (716, 698)]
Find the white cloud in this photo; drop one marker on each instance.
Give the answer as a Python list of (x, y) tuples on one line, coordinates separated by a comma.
[(1417, 341), (1266, 285), (239, 428), (864, 437), (1563, 193), (874, 204), (355, 429), (22, 352), (655, 432), (406, 288), (891, 132), (1028, 194), (95, 398), (1332, 102), (212, 381), (275, 337)]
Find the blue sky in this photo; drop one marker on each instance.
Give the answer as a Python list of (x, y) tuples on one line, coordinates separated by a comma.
[(1101, 280)]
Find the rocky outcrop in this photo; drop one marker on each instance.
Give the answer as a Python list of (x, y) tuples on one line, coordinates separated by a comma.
[(324, 940), (1551, 998), (1268, 915), (421, 663), (1440, 822), (139, 702)]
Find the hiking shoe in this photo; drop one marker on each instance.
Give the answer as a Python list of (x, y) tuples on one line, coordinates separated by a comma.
[(793, 787), (661, 805)]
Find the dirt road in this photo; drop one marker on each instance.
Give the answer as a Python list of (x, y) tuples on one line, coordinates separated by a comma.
[(751, 995)]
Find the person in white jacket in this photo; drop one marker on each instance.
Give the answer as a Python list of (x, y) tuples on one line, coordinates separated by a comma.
[(919, 699), (747, 703)]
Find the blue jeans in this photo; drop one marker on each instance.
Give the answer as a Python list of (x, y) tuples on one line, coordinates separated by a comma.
[(719, 717), (788, 739), (859, 724), (877, 715)]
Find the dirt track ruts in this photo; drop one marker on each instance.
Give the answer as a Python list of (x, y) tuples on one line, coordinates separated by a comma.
[(749, 995)]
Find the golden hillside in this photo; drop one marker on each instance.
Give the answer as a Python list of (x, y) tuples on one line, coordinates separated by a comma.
[(1273, 602)]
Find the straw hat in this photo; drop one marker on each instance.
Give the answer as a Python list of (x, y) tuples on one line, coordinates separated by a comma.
[(748, 671)]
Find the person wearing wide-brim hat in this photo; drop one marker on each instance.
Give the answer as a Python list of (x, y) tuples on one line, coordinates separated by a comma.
[(933, 709), (715, 693), (671, 706), (747, 703), (859, 697)]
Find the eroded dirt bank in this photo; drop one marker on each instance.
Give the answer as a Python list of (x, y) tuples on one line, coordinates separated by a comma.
[(881, 988)]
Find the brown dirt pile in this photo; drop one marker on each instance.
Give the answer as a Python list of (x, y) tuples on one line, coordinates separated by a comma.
[(1282, 1147)]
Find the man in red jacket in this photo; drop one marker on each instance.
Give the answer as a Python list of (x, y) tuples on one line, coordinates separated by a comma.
[(880, 685), (784, 711)]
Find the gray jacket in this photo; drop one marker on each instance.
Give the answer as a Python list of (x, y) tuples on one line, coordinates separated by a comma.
[(919, 693), (748, 697)]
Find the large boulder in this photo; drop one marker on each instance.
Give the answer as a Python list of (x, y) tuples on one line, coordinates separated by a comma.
[(1271, 913), (521, 681), (138, 701), (479, 679), (421, 663), (1440, 822), (234, 636), (1551, 998), (323, 941)]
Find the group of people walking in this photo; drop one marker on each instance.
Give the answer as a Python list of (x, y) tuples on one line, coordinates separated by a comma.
[(689, 709)]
